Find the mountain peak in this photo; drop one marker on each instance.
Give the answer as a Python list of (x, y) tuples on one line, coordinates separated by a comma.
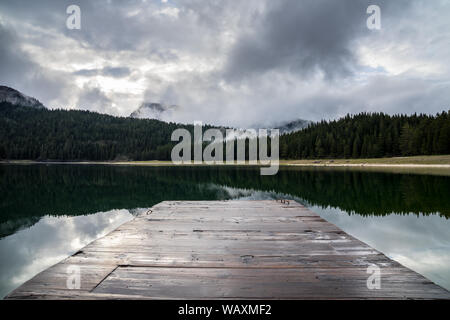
[(15, 97)]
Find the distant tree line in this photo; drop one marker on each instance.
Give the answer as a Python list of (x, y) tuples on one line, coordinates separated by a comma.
[(370, 135), (41, 134)]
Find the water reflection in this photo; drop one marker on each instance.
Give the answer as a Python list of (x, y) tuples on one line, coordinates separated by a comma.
[(50, 240), (420, 243), (49, 212)]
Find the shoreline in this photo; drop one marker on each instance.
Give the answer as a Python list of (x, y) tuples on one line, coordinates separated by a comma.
[(353, 163), (436, 161)]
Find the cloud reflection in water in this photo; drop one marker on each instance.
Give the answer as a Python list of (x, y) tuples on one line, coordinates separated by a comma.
[(52, 239)]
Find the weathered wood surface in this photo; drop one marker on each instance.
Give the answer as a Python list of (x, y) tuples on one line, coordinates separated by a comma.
[(227, 250)]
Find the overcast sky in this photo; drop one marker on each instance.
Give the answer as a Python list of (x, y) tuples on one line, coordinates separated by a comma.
[(230, 62)]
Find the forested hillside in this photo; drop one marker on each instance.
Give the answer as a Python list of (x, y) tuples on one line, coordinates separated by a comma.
[(41, 134), (370, 136)]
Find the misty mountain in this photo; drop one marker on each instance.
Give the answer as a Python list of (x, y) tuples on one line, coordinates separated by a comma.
[(152, 110), (17, 98), (285, 127), (42, 134), (293, 126)]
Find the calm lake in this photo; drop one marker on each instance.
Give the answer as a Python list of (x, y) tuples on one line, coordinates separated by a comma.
[(48, 212)]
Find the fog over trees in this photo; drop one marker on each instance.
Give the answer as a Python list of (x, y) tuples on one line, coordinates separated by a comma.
[(41, 134)]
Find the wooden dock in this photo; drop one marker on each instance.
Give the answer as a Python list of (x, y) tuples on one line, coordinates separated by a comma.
[(228, 250)]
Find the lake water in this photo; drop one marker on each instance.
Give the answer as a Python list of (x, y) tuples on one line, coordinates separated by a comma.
[(48, 212)]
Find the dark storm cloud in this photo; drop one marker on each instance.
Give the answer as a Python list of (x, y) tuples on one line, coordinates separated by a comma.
[(11, 63), (304, 37)]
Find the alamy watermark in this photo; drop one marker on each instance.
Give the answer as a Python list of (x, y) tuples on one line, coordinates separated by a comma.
[(374, 280), (374, 20), (213, 153), (73, 281), (73, 21)]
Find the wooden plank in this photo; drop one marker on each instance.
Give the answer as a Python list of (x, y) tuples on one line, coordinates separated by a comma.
[(228, 250), (260, 283)]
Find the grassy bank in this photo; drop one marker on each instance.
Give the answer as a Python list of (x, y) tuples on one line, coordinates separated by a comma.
[(416, 160)]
